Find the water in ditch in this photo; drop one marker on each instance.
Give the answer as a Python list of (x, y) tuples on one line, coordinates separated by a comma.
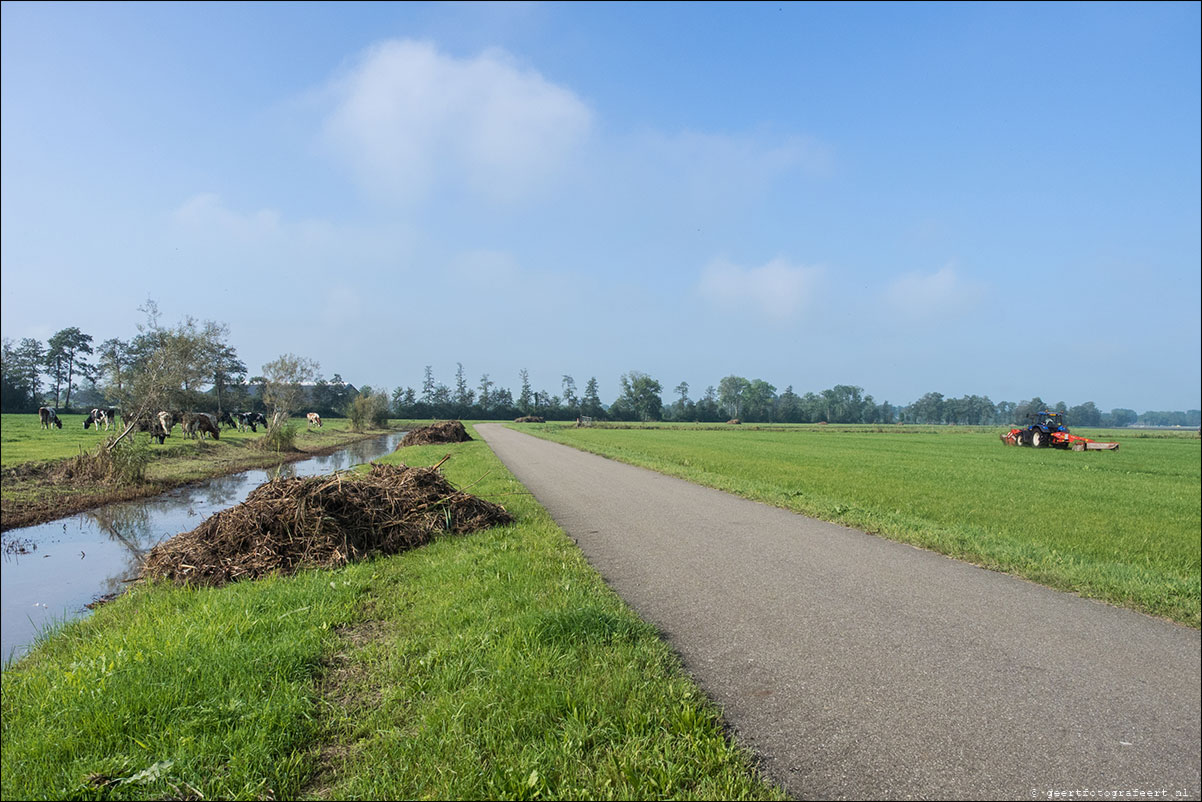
[(71, 562)]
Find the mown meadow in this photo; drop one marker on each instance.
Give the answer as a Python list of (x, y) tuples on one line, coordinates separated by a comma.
[(1121, 526), (494, 665)]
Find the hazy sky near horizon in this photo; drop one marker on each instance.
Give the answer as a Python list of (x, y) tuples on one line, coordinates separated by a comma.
[(992, 199)]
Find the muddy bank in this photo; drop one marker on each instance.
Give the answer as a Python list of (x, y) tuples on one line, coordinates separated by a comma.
[(32, 495)]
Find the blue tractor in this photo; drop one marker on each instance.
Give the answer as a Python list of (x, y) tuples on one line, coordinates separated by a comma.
[(1044, 423), (1048, 429)]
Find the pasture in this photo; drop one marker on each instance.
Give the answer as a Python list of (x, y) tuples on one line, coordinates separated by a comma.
[(1120, 526), (32, 494), (22, 439), (496, 665)]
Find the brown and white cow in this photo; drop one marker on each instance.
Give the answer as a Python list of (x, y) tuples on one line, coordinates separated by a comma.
[(49, 418), (314, 419), (152, 425), (199, 424)]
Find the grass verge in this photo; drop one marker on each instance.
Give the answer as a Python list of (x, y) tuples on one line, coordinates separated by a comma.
[(496, 665), (1120, 526)]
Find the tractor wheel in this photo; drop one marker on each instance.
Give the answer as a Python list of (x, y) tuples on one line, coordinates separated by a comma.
[(1038, 438)]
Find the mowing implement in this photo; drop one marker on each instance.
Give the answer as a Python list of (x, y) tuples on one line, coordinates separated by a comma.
[(1048, 429)]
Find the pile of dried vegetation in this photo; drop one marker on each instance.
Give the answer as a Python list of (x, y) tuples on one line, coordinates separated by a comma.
[(447, 431), (111, 462), (530, 419), (321, 521)]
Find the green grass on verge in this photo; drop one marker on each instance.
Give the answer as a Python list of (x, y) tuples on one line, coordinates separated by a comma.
[(493, 665), (1120, 526)]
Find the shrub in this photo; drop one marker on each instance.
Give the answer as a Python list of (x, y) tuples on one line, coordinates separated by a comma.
[(368, 412), (122, 463), (279, 437)]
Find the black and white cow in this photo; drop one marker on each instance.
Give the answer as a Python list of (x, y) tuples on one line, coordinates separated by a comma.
[(49, 418), (250, 420), (107, 417)]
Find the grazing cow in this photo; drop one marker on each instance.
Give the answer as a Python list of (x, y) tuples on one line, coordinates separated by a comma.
[(227, 419), (152, 426), (98, 416), (314, 419), (199, 424), (49, 418), (166, 421), (187, 424), (251, 420)]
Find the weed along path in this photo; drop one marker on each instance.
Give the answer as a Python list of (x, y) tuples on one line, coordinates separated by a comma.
[(857, 667)]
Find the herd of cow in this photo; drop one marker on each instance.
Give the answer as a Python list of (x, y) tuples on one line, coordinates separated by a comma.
[(193, 424)]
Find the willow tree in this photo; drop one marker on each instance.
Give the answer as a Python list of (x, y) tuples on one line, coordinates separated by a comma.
[(284, 385), (165, 366)]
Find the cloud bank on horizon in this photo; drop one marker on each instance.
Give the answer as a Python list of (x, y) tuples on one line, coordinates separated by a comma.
[(384, 191)]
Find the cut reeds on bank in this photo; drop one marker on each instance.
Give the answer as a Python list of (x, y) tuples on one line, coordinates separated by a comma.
[(447, 431), (321, 521)]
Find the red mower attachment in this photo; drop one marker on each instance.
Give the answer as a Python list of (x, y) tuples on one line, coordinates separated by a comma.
[(1047, 429)]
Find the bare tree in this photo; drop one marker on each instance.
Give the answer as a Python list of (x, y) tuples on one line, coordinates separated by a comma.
[(165, 366), (284, 389)]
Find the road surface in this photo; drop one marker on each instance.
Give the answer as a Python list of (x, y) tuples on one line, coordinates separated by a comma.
[(860, 668)]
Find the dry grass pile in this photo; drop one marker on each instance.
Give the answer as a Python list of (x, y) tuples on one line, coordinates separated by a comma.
[(447, 431), (122, 463), (321, 521), (530, 419)]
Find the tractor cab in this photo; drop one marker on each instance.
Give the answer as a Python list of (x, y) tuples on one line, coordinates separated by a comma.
[(1049, 421)]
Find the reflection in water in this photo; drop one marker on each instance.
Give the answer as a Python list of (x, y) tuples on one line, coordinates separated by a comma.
[(80, 558), (128, 524)]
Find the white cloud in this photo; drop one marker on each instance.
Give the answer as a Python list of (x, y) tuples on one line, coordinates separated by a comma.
[(704, 173), (214, 234), (206, 211), (939, 295), (409, 118), (777, 290), (750, 158), (485, 268)]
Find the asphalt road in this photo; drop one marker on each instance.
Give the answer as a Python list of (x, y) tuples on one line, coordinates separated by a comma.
[(860, 668)]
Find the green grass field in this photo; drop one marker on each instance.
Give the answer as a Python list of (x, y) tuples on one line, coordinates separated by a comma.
[(31, 493), (1121, 526), (495, 665), (22, 438)]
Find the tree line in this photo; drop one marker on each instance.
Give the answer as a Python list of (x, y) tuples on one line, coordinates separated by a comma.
[(194, 366), (751, 400), (189, 366)]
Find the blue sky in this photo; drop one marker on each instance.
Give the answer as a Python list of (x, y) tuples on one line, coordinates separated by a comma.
[(990, 199)]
